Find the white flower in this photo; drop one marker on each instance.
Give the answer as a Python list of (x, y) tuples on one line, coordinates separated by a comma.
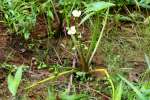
[(76, 13), (72, 30)]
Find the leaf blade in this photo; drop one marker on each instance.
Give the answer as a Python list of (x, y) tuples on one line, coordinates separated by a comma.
[(14, 81)]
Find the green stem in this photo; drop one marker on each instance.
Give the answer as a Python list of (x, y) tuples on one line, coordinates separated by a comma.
[(83, 63), (137, 5), (55, 12), (109, 78), (50, 78), (100, 36)]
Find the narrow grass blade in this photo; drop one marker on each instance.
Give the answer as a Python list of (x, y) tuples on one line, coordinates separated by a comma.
[(147, 61), (99, 37), (51, 95), (86, 18), (118, 92), (139, 94), (95, 33)]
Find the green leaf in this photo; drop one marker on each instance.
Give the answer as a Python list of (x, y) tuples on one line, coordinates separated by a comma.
[(137, 91), (147, 61), (119, 17), (18, 75), (145, 1), (97, 6), (51, 95), (50, 14), (14, 81), (65, 96), (118, 92), (146, 88), (86, 17), (26, 35), (11, 85), (93, 8), (19, 15)]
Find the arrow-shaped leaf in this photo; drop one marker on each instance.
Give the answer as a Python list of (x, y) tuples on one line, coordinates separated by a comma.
[(14, 81)]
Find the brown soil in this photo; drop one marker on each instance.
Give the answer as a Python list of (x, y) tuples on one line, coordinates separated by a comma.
[(40, 30)]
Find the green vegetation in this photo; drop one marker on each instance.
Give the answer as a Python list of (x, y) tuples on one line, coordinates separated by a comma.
[(75, 49), (13, 82)]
